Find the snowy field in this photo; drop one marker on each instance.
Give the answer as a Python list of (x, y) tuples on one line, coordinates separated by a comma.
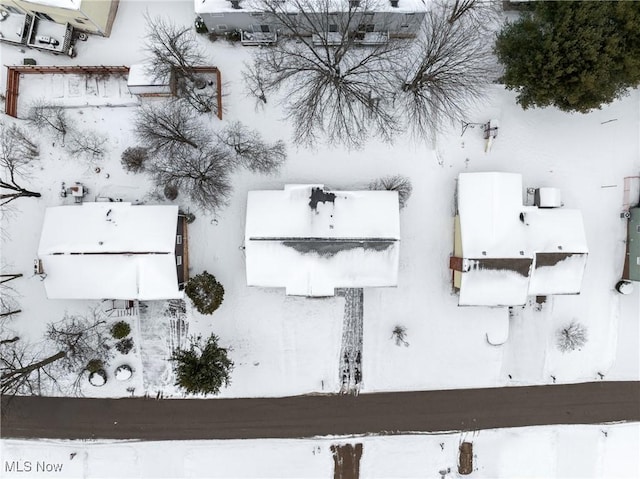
[(596, 451), (288, 345)]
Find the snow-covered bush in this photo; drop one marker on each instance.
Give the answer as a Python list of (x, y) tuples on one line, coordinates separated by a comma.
[(95, 365), (124, 346), (205, 292), (203, 368), (399, 183), (572, 337), (134, 158), (120, 329)]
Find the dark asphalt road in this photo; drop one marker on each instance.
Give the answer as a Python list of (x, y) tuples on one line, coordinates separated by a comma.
[(304, 416)]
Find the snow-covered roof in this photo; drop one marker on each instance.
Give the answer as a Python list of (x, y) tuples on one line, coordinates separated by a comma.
[(311, 241), (141, 74), (224, 6), (489, 205), (110, 251), (68, 4), (540, 251), (492, 287)]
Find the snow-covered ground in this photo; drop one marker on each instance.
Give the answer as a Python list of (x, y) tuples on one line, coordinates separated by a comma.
[(289, 345), (604, 451)]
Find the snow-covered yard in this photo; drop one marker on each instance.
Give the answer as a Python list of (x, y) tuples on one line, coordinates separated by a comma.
[(291, 345), (605, 451), (287, 345)]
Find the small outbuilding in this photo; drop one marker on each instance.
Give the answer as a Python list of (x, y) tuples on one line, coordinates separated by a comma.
[(310, 240), (142, 82)]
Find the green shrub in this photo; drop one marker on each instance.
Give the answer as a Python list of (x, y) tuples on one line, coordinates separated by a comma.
[(120, 329), (95, 365), (205, 292), (203, 368)]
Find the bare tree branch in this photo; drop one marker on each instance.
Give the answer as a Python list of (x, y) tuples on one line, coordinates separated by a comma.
[(47, 116), (446, 70), (89, 144), (201, 173), (333, 85), (168, 126), (250, 149), (173, 49), (70, 344), (17, 154)]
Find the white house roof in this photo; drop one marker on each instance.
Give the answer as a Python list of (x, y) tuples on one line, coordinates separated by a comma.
[(350, 240), (495, 224), (68, 4), (224, 6), (110, 251), (489, 205)]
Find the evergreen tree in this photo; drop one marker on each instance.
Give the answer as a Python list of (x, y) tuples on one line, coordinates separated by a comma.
[(204, 367), (573, 55), (205, 292)]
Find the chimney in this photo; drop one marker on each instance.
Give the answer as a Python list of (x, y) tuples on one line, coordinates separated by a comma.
[(235, 4), (354, 3), (394, 3)]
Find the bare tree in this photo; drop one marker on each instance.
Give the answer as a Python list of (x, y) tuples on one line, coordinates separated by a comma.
[(69, 345), (134, 158), (573, 336), (82, 338), (168, 126), (175, 52), (17, 153), (481, 12), (446, 69), (9, 306), (200, 173), (173, 49), (399, 183), (199, 94), (47, 116), (251, 151), (24, 369), (333, 85), (89, 144)]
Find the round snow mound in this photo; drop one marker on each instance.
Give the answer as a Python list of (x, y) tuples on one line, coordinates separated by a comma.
[(123, 372), (624, 287), (98, 378)]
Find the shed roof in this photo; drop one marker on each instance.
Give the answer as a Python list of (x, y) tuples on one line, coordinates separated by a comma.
[(310, 240)]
